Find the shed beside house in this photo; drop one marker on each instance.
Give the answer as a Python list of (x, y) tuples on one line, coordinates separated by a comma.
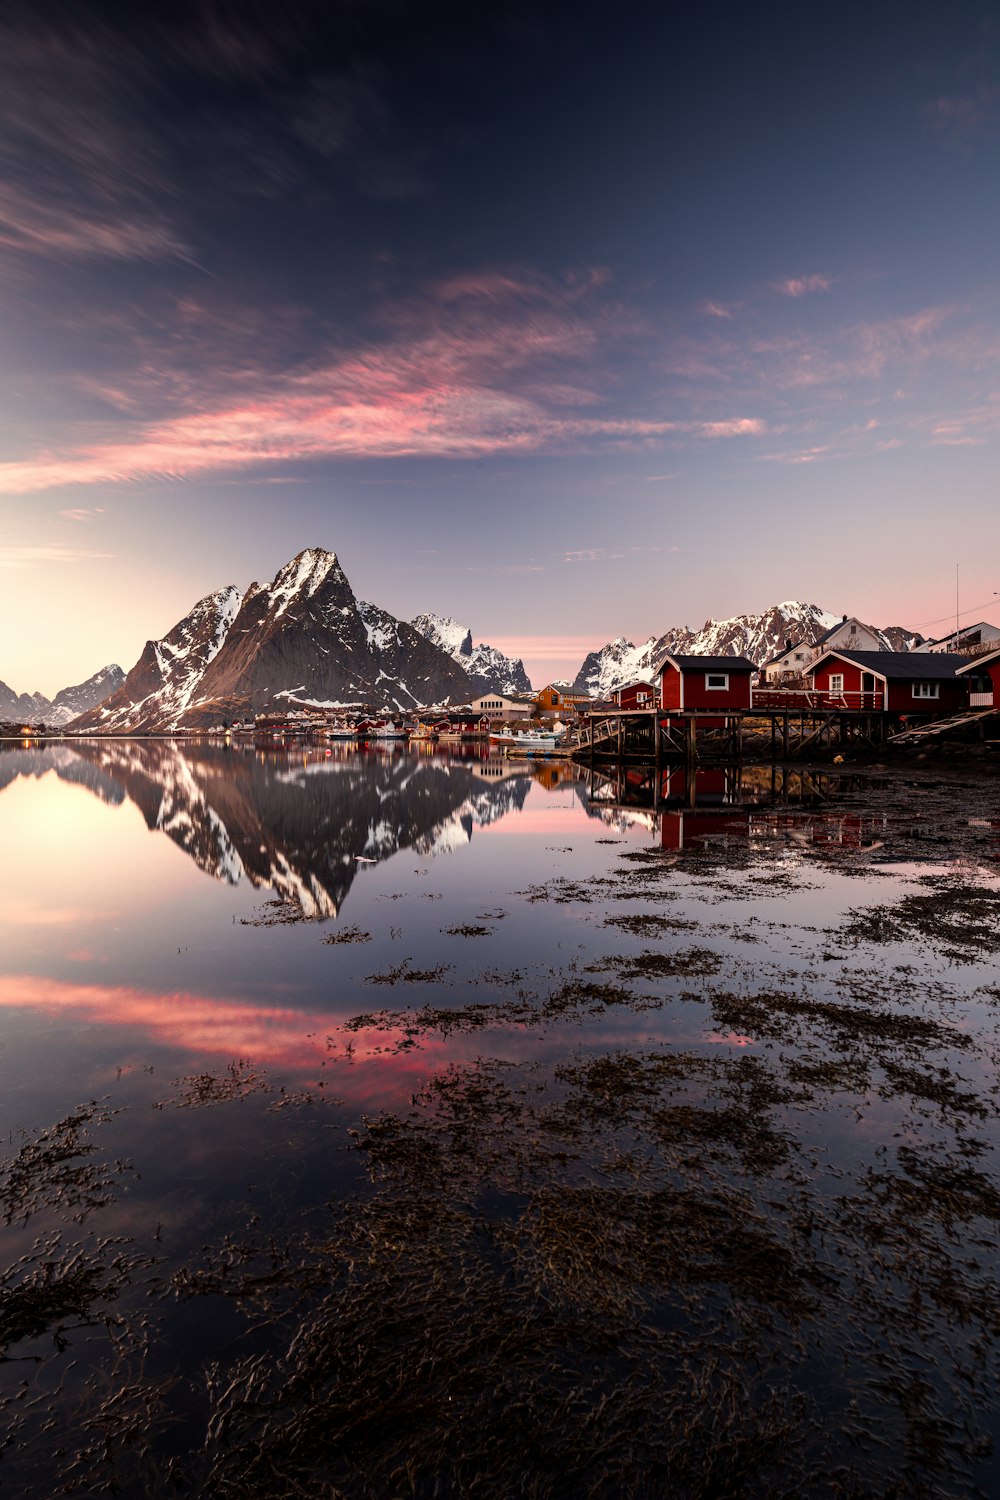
[(902, 682), (982, 676), (637, 695)]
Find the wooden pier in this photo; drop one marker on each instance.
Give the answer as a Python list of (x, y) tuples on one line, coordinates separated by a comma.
[(708, 737)]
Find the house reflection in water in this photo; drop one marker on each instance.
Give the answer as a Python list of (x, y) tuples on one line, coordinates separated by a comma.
[(736, 804)]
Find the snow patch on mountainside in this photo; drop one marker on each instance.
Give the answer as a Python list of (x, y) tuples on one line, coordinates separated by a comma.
[(757, 637), (489, 669)]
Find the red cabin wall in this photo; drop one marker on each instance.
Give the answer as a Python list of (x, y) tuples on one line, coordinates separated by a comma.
[(850, 673), (951, 697), (697, 695)]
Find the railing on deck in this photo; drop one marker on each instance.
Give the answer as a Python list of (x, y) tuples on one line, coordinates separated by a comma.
[(981, 700), (798, 700)]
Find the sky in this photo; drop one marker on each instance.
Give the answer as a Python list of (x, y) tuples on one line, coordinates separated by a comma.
[(564, 320)]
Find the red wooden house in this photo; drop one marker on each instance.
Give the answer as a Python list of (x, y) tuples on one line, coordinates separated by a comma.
[(901, 682), (638, 695), (982, 676), (706, 682)]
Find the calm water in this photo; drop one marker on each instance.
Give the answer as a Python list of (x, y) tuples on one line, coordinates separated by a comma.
[(397, 1123)]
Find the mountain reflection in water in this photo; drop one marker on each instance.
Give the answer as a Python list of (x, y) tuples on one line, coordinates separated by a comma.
[(299, 822)]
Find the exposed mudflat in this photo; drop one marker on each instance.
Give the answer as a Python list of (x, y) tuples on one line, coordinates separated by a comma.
[(669, 1168)]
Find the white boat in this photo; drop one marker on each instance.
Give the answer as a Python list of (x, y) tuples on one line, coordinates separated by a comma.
[(529, 739)]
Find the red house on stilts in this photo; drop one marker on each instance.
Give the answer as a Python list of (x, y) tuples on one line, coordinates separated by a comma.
[(705, 682), (901, 682)]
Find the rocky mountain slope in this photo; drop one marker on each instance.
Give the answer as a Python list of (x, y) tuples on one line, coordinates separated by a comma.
[(489, 670), (35, 708), (303, 638), (758, 637)]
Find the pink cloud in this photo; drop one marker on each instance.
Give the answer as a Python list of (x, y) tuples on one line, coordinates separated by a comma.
[(801, 286), (548, 647), (82, 513), (458, 392), (31, 224)]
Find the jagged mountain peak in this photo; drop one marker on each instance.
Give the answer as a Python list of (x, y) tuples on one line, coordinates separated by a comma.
[(445, 632), (760, 637), (304, 638), (35, 708), (489, 670)]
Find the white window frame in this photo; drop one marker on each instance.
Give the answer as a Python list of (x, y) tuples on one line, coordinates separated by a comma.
[(836, 688), (926, 690), (722, 686)]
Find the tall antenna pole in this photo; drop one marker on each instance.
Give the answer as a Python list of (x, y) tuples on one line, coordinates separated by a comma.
[(956, 606)]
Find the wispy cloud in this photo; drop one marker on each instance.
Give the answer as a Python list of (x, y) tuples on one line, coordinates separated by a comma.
[(801, 286), (62, 229), (610, 554), (475, 385), (572, 648), (959, 117), (27, 557), (82, 513)]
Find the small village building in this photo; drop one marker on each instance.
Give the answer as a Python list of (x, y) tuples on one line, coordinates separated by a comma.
[(505, 709), (797, 658), (558, 699), (970, 640), (790, 664), (705, 682), (982, 676), (849, 634), (637, 695), (903, 682)]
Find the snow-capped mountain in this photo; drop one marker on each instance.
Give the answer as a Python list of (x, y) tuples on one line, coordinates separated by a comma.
[(489, 670), (35, 708), (758, 637), (71, 701), (301, 639), (164, 681)]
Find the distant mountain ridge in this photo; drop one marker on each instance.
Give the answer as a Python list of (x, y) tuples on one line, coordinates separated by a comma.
[(489, 670), (35, 708), (303, 639), (757, 637)]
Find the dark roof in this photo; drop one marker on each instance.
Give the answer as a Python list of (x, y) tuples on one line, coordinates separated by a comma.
[(907, 666), (707, 663), (827, 633)]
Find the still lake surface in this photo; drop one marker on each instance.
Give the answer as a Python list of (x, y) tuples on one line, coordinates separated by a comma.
[(404, 1123)]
